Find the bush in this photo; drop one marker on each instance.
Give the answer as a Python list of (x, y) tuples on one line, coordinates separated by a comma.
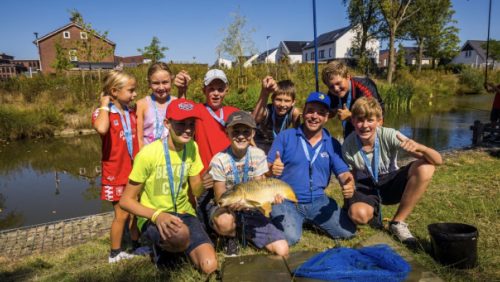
[(471, 81)]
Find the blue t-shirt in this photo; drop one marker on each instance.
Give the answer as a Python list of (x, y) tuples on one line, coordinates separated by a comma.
[(296, 172)]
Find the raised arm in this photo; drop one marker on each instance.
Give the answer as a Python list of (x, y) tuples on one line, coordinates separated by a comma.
[(420, 151), (268, 86), (181, 81), (101, 122)]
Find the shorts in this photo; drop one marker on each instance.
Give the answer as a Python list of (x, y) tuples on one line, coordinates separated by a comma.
[(197, 236), (391, 187), (112, 193), (495, 115), (256, 228)]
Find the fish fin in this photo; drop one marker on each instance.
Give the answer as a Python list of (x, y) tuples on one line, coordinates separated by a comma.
[(253, 203), (266, 209)]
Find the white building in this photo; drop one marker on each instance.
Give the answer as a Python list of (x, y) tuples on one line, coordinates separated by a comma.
[(473, 54), (223, 63), (292, 50), (268, 57)]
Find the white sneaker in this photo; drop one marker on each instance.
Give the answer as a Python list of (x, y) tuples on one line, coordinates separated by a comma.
[(401, 231), (121, 256)]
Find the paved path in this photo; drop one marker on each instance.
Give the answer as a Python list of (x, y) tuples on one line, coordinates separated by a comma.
[(53, 235)]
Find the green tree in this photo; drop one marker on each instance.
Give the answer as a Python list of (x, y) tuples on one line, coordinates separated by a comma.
[(62, 62), (395, 13), (401, 58), (154, 51), (237, 40), (494, 50)]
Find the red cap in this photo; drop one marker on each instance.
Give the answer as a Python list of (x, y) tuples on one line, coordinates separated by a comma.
[(180, 109)]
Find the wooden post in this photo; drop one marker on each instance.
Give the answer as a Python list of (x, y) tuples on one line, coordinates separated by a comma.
[(477, 133)]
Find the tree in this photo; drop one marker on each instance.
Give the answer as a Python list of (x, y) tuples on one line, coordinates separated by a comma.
[(62, 61), (494, 50), (154, 51), (395, 12), (237, 41), (401, 57)]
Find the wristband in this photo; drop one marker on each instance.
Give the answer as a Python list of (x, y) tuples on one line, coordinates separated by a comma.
[(104, 108), (155, 216)]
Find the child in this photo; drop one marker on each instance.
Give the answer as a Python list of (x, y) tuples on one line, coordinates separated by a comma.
[(240, 163), (167, 176), (344, 90), (151, 109), (495, 111), (273, 118), (371, 153), (116, 124)]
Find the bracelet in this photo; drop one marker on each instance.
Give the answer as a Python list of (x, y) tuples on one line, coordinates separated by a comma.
[(104, 108), (155, 216)]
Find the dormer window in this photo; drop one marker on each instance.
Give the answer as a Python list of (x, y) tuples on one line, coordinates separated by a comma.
[(66, 35), (83, 35)]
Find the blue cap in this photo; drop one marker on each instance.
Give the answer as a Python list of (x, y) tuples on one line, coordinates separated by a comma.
[(319, 97)]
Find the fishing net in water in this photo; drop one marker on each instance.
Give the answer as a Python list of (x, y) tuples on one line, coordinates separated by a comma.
[(373, 263)]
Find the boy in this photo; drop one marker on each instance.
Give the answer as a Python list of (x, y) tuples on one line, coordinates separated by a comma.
[(166, 174), (344, 90), (275, 117), (371, 153), (240, 163), (305, 157)]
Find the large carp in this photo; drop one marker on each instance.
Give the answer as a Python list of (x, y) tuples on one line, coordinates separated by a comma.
[(258, 194)]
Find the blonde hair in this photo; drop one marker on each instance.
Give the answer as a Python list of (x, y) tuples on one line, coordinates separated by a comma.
[(334, 68), (159, 66), (285, 87), (366, 107), (115, 79)]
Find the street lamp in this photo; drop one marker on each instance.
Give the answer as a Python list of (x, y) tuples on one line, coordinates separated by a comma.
[(267, 47)]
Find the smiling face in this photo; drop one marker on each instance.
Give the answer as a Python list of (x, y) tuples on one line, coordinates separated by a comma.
[(160, 83), (181, 131), (215, 92), (315, 116), (126, 94), (240, 136), (282, 104), (366, 128), (338, 85)]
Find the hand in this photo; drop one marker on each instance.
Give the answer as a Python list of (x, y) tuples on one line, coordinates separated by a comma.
[(278, 165), (269, 85), (168, 224), (348, 187), (182, 80), (208, 181), (105, 100), (278, 199), (409, 145), (344, 113)]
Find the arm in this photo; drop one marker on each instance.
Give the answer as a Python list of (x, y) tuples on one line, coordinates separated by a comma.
[(181, 81), (296, 113), (141, 109), (346, 181), (419, 151), (196, 185), (219, 189), (101, 122), (268, 86)]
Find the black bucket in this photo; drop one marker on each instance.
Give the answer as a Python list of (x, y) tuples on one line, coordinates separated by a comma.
[(454, 244)]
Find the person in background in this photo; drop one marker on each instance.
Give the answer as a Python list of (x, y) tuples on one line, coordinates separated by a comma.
[(495, 111)]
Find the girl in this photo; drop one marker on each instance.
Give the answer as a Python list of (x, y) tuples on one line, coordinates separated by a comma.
[(151, 109), (116, 124)]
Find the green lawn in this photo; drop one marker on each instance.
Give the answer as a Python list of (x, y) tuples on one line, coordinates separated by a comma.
[(465, 189)]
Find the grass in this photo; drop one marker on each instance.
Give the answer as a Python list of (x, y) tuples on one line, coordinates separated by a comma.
[(464, 189)]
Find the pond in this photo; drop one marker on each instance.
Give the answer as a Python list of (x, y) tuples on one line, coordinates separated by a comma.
[(54, 179)]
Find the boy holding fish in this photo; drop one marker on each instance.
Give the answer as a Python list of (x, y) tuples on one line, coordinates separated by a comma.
[(240, 163)]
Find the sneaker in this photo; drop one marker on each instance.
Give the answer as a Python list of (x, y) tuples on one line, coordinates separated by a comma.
[(121, 256), (401, 231), (230, 246)]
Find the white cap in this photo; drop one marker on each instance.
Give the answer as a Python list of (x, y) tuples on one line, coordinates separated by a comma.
[(214, 74)]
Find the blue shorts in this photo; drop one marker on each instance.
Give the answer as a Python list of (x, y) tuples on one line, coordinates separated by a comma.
[(257, 228), (197, 236)]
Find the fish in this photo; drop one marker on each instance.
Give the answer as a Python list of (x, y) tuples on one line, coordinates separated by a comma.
[(259, 194)]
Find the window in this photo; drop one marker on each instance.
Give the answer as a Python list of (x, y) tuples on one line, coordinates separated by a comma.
[(468, 53), (321, 54), (330, 52), (305, 57), (72, 55), (312, 55), (66, 35), (83, 35)]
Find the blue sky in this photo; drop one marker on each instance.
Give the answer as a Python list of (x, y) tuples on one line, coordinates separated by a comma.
[(193, 28)]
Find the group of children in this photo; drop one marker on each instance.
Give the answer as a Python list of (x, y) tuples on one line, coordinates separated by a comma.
[(169, 162)]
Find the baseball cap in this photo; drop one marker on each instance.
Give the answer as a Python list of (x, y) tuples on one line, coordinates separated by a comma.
[(240, 117), (180, 109), (319, 97), (214, 74)]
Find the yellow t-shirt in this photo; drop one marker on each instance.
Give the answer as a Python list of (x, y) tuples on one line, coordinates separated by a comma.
[(150, 170)]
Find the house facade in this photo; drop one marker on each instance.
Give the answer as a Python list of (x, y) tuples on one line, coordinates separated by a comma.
[(267, 57), (290, 49), (337, 44), (131, 61), (74, 41), (10, 68), (410, 57), (473, 54)]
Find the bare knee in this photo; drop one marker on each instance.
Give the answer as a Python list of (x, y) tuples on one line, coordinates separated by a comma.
[(279, 247), (423, 170), (360, 214), (225, 224), (208, 265)]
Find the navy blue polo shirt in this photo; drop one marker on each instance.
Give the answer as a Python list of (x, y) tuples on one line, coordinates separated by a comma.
[(296, 172)]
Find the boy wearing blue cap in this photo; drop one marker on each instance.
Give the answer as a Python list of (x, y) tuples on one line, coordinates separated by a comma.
[(309, 149)]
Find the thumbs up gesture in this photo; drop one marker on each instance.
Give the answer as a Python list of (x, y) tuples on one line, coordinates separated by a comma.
[(348, 185), (344, 113), (408, 144), (278, 165)]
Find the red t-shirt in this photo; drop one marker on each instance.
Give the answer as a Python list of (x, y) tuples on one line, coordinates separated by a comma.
[(210, 135), (116, 162)]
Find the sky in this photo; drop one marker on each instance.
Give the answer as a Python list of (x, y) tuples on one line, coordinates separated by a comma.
[(192, 29)]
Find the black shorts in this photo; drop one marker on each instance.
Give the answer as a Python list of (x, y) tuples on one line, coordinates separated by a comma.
[(391, 187)]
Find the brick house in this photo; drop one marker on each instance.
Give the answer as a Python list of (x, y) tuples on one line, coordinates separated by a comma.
[(71, 38), (11, 68)]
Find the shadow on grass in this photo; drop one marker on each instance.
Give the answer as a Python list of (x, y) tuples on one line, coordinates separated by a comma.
[(25, 272)]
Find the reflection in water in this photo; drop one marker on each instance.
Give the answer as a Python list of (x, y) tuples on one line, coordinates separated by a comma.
[(29, 170)]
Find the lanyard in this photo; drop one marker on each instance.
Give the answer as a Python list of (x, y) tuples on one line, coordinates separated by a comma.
[(348, 103), (158, 131), (306, 152), (283, 122), (127, 128), (171, 174), (236, 173), (219, 119), (376, 158)]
